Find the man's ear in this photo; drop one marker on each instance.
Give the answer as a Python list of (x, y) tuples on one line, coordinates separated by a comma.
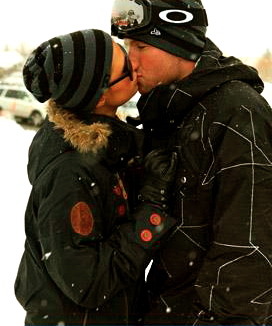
[(101, 101)]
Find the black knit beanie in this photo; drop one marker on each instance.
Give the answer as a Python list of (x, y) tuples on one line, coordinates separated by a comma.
[(183, 40), (72, 69)]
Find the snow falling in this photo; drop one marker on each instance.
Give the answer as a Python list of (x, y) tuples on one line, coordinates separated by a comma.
[(14, 193)]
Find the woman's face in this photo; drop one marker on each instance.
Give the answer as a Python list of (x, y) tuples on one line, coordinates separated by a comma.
[(122, 88)]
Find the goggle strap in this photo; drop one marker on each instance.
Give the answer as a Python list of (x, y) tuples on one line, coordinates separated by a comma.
[(199, 17)]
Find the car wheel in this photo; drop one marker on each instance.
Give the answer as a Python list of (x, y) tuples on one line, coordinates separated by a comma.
[(36, 119)]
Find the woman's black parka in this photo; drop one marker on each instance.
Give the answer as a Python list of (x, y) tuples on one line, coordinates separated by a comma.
[(84, 258)]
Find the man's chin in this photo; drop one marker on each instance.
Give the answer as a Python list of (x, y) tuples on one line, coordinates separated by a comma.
[(143, 89)]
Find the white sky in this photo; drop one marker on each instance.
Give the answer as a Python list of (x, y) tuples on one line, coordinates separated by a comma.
[(239, 27)]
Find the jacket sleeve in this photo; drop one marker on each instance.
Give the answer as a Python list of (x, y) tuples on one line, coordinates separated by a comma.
[(88, 255), (235, 281)]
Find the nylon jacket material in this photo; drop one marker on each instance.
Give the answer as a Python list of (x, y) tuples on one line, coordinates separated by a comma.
[(216, 268), (89, 273)]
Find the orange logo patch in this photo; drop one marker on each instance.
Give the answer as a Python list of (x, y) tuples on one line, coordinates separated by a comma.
[(82, 219), (146, 235), (155, 219)]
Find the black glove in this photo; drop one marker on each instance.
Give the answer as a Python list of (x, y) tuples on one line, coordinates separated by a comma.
[(152, 223), (160, 169)]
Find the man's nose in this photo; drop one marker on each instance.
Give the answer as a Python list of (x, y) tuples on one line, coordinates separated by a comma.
[(134, 60)]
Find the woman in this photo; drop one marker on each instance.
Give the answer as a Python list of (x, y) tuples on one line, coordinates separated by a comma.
[(85, 252)]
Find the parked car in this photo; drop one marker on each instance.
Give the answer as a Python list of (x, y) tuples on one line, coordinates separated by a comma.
[(16, 101)]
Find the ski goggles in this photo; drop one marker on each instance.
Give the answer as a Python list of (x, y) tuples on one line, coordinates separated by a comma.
[(129, 16)]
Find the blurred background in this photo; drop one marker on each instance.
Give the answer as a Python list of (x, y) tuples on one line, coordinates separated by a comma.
[(239, 27)]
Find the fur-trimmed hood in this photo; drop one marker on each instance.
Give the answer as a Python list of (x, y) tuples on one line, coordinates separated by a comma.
[(106, 139), (83, 137)]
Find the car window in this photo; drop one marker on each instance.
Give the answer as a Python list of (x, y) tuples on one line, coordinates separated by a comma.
[(18, 94)]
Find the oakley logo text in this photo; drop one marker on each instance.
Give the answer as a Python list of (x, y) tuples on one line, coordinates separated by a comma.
[(188, 16)]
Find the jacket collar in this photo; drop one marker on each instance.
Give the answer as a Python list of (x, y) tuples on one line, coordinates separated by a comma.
[(114, 140), (166, 105)]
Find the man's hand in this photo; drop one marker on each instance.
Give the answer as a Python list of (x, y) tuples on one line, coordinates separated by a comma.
[(160, 168)]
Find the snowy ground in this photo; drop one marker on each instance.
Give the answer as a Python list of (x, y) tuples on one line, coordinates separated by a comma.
[(14, 192)]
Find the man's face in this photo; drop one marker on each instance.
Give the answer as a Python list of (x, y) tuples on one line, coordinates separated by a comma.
[(153, 66)]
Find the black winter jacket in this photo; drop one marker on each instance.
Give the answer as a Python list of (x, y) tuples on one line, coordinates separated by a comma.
[(84, 260), (216, 269)]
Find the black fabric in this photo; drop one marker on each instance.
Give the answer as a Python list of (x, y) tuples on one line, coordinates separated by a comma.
[(199, 14), (98, 75), (43, 81), (41, 86), (54, 169), (57, 51), (79, 58), (160, 108), (184, 40), (216, 268), (173, 44), (70, 69), (77, 278)]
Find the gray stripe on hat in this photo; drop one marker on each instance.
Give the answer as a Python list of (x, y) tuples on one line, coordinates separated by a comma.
[(68, 65), (106, 72), (89, 65)]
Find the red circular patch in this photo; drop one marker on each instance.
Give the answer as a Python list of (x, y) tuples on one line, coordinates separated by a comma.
[(82, 219), (155, 219), (146, 235)]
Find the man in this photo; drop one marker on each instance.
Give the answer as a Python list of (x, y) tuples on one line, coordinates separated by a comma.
[(216, 269)]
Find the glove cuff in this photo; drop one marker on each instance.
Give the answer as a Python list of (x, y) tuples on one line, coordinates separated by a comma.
[(158, 196), (151, 225)]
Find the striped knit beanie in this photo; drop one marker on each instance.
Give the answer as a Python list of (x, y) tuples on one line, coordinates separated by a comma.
[(72, 69)]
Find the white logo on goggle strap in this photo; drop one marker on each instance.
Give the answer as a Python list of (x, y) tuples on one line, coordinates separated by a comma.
[(155, 32), (188, 16)]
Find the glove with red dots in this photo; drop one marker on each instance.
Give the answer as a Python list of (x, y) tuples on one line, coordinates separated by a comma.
[(152, 221), (160, 168)]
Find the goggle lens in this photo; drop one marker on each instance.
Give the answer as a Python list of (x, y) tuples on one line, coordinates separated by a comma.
[(127, 15)]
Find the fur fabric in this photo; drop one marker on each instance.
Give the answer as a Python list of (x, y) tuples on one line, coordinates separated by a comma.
[(85, 138)]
